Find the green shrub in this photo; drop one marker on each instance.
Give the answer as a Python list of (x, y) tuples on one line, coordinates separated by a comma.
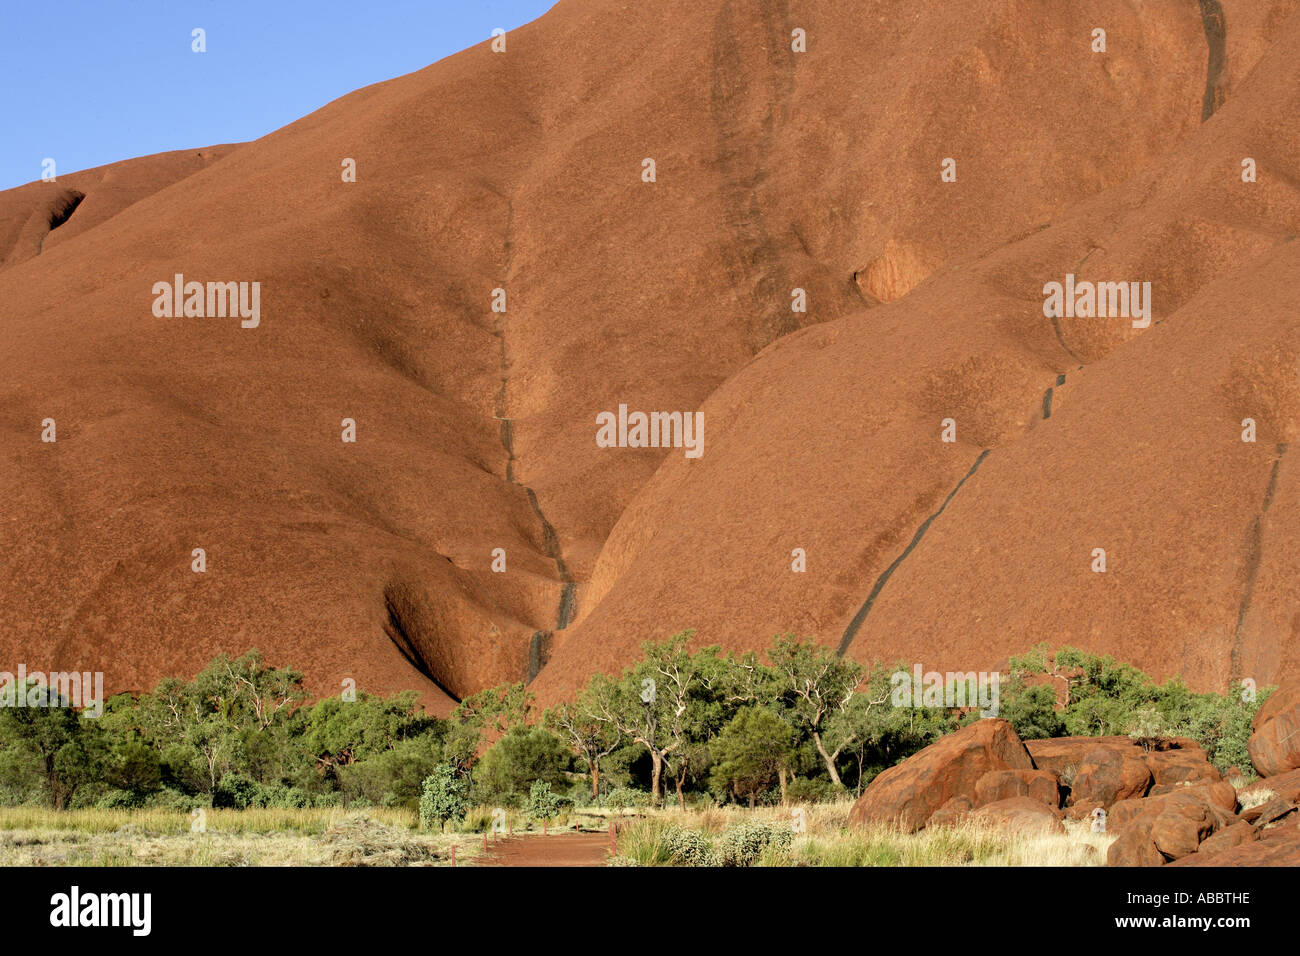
[(120, 800), (685, 847), (516, 761), (170, 799), (444, 797), (236, 792), (621, 798), (744, 843), (812, 790), (281, 797), (543, 802)]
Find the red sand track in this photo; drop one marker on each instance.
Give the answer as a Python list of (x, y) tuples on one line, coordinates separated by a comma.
[(557, 849), (776, 171)]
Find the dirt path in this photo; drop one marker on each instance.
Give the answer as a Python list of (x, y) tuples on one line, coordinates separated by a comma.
[(559, 849)]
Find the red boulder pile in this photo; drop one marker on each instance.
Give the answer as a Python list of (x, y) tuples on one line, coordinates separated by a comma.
[(1167, 802)]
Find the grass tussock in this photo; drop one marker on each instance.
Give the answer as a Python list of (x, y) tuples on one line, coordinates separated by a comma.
[(1256, 798), (263, 837), (820, 836)]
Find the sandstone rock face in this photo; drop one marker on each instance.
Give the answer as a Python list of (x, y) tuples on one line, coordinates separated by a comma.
[(1189, 763), (776, 171), (909, 793), (1018, 482), (1274, 744), (1271, 812)]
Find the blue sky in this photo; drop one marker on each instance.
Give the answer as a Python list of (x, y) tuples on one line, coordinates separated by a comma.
[(88, 82)]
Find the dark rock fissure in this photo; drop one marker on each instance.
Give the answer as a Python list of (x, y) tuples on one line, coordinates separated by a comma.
[(550, 540), (1216, 37), (1254, 555), (1047, 397), (854, 625), (539, 652)]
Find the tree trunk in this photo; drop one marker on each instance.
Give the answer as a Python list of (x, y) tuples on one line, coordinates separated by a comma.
[(781, 776), (656, 776), (595, 779), (681, 797), (830, 761)]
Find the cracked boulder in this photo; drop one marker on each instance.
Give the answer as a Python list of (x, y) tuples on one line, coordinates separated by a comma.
[(1274, 743)]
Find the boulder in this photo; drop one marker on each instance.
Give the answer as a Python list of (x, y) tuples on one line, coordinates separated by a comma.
[(1100, 771), (1271, 812), (1220, 795), (1179, 765), (1230, 836), (998, 785), (952, 813), (911, 792), (1276, 846), (1020, 814), (1062, 755), (1166, 828), (1274, 743), (1106, 775), (1284, 785)]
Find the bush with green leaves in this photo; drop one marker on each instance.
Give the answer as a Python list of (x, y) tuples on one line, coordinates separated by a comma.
[(522, 757), (744, 843), (169, 799), (626, 798), (445, 797), (236, 792), (120, 800), (1069, 692), (543, 802), (812, 790), (683, 846)]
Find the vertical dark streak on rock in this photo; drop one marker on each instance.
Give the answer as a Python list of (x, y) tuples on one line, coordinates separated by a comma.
[(1254, 555), (1216, 37), (550, 539), (754, 260)]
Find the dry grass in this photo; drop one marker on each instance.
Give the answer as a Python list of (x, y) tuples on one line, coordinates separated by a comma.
[(1256, 798), (38, 837), (386, 837), (827, 840)]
